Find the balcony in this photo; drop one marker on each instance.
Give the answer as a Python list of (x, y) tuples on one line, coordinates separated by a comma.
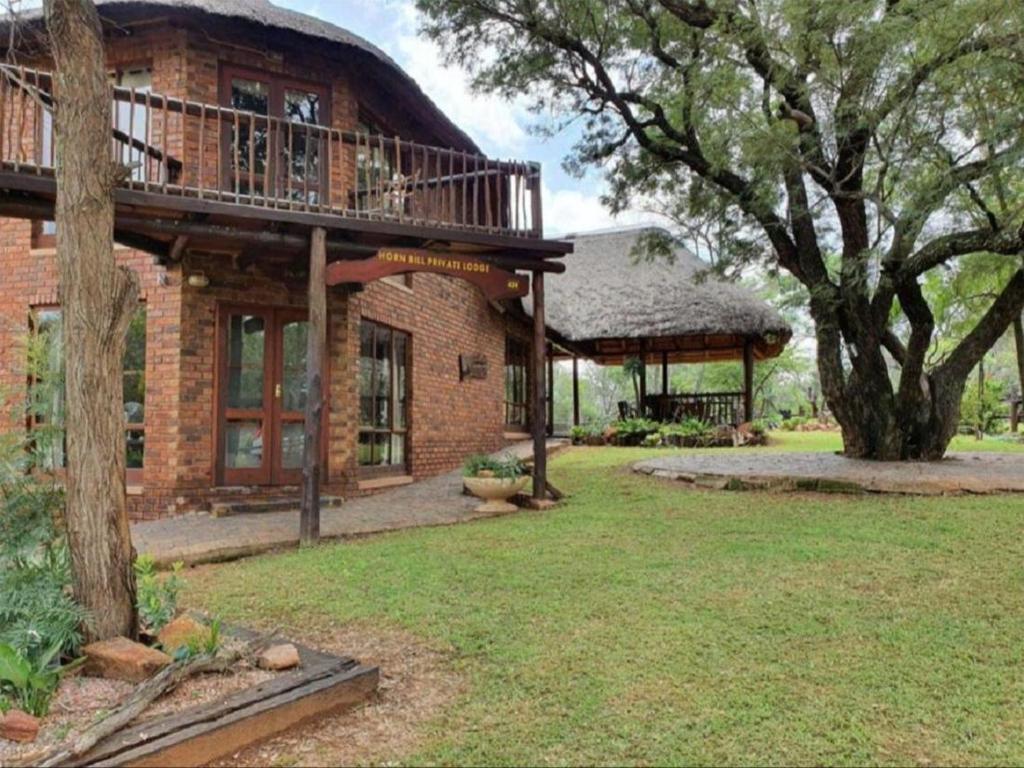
[(215, 173)]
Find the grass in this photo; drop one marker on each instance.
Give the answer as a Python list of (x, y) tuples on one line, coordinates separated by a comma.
[(640, 622)]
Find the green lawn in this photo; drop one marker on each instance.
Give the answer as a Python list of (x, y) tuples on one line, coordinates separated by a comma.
[(640, 622)]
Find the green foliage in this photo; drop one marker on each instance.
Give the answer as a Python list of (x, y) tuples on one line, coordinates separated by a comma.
[(207, 644), (793, 423), (984, 411), (633, 431), (507, 467), (691, 432), (652, 440), (157, 596), (37, 611), (29, 682)]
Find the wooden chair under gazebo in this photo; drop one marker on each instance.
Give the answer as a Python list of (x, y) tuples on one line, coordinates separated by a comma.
[(612, 305)]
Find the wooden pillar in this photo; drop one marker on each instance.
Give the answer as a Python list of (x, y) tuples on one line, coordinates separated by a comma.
[(575, 391), (643, 379), (551, 390), (664, 373), (540, 455), (748, 381), (316, 358)]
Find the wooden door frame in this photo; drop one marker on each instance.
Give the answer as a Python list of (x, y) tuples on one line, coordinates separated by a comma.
[(222, 311)]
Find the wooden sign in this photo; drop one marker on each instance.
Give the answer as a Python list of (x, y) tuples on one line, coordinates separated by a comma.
[(496, 283), (472, 367)]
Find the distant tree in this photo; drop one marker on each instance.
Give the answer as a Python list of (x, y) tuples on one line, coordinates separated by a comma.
[(863, 145), (98, 300)]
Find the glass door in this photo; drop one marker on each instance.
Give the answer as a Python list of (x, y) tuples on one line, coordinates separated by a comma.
[(262, 396), (289, 398)]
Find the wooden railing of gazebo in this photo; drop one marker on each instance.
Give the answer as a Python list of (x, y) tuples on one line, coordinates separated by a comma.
[(717, 408), (184, 148)]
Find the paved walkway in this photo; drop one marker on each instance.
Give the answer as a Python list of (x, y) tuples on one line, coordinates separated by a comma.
[(206, 539), (958, 473)]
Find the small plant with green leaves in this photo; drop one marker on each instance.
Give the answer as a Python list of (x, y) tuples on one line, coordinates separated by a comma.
[(653, 440), (793, 423), (206, 644), (29, 683), (506, 467), (633, 431), (157, 596)]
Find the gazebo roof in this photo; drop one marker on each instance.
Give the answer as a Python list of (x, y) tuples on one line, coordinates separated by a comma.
[(609, 305)]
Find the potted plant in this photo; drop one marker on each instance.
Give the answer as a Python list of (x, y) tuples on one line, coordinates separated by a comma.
[(495, 480)]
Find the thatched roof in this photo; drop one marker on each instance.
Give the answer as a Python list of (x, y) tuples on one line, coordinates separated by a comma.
[(265, 16), (608, 294)]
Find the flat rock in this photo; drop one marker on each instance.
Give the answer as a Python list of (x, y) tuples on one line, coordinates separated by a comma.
[(123, 659), (278, 657), (180, 632), (19, 726)]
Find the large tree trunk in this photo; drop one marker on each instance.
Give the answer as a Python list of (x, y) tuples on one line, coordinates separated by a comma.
[(98, 299), (1018, 340)]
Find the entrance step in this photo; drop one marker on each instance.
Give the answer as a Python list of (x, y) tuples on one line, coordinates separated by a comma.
[(257, 506)]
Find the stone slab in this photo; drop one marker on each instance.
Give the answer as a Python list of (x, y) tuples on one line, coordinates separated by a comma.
[(958, 473)]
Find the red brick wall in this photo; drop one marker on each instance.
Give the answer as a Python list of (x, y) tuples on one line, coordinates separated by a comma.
[(445, 317)]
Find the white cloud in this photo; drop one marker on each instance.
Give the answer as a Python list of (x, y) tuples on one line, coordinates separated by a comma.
[(570, 210)]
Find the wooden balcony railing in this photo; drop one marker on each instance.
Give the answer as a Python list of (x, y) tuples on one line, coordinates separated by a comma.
[(209, 152)]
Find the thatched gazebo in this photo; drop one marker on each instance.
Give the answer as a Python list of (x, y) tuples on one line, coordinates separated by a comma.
[(610, 305)]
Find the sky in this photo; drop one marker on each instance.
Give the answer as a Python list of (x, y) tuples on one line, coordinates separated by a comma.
[(499, 127)]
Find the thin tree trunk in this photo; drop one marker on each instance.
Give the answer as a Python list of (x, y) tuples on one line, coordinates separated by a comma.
[(1018, 338), (98, 299)]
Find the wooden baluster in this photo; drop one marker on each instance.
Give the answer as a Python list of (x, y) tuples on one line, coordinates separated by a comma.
[(252, 158), (237, 171), (476, 190), (21, 127), (166, 167), (183, 173), (451, 186), (487, 190), (464, 185), (4, 133), (289, 161), (37, 153), (269, 190), (330, 170), (502, 176), (399, 192), (424, 191), (439, 188), (381, 183), (202, 147), (220, 154), (355, 169)]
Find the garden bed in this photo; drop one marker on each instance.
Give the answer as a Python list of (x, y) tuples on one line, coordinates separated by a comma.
[(206, 717)]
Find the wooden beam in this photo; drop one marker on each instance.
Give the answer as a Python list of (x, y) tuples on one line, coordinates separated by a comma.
[(575, 391), (540, 455), (177, 248), (664, 373), (316, 354), (748, 381)]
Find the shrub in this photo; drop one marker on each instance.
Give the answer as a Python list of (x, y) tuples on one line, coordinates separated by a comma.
[(793, 423), (984, 411), (634, 431), (156, 596), (652, 440), (37, 611), (29, 683), (506, 467)]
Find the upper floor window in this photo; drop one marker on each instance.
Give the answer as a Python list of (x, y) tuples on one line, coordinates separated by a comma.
[(267, 148)]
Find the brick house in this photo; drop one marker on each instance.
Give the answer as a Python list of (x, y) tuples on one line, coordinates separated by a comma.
[(243, 129)]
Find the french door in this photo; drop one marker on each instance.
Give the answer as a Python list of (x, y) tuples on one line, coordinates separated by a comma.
[(261, 395)]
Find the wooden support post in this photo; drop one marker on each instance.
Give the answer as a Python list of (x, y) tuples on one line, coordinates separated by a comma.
[(748, 381), (540, 455), (316, 354), (551, 390), (664, 373), (642, 405), (575, 391)]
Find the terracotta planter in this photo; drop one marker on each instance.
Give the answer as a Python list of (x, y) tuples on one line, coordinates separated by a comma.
[(495, 491)]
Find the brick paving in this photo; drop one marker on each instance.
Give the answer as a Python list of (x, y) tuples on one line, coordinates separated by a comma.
[(204, 538), (975, 473)]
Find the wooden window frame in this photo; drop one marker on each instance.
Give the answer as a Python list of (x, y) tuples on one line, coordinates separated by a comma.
[(510, 341), (276, 84), (133, 475), (373, 471)]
